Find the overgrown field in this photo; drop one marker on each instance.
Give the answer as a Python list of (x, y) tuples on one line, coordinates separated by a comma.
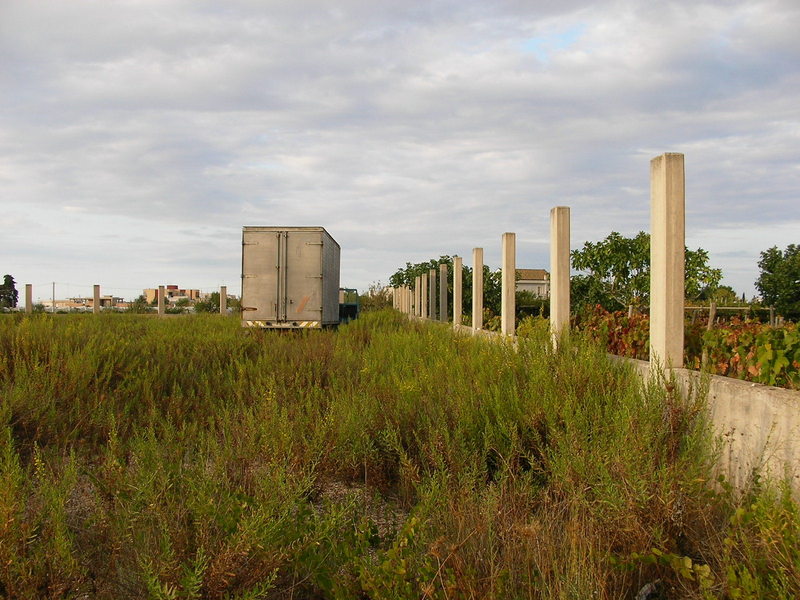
[(187, 458)]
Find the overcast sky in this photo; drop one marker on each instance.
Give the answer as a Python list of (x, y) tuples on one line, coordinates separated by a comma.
[(137, 138)]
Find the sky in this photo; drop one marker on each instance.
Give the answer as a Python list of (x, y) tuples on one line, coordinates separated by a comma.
[(138, 137)]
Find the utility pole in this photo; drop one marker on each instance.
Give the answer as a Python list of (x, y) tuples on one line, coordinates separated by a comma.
[(53, 307)]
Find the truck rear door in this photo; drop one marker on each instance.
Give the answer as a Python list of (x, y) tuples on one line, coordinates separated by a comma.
[(303, 276), (260, 262)]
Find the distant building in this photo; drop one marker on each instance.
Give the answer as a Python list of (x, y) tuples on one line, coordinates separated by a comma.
[(172, 293), (536, 281), (81, 303)]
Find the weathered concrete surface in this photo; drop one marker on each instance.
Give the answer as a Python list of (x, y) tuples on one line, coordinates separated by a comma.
[(667, 244), (424, 299), (432, 294), (508, 284), (443, 293), (96, 300), (458, 292), (161, 289), (477, 288), (757, 425), (559, 270), (223, 300), (28, 297)]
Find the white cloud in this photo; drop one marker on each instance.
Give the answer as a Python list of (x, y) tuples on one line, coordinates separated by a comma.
[(408, 129)]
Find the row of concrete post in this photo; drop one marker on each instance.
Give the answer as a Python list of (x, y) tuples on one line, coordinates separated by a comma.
[(667, 244), (161, 295)]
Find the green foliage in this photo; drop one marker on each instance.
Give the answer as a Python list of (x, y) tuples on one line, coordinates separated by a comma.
[(618, 272), (211, 304), (745, 349), (138, 306), (492, 284), (779, 280), (619, 333), (8, 292), (754, 351), (377, 297), (389, 459), (619, 268)]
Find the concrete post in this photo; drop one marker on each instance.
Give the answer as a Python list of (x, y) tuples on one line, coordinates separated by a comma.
[(408, 298), (28, 298), (432, 294), (223, 300), (96, 304), (424, 296), (559, 271), (667, 245), (457, 291), (418, 296), (508, 284), (161, 301), (443, 293), (477, 289)]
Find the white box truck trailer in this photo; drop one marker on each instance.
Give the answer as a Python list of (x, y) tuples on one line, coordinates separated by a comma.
[(290, 278)]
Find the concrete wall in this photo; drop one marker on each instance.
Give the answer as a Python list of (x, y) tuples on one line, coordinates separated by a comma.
[(758, 425)]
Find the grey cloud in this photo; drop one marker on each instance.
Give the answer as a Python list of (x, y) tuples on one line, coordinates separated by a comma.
[(432, 127)]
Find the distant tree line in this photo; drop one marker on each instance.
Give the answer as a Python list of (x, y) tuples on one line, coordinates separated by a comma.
[(615, 273)]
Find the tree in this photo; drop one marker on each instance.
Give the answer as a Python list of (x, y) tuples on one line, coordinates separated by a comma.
[(492, 293), (618, 272), (8, 293), (139, 305), (209, 305), (779, 280)]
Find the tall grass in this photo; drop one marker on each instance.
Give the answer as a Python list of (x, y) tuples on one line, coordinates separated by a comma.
[(189, 458)]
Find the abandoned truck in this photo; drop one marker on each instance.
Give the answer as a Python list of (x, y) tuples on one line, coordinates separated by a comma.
[(290, 278)]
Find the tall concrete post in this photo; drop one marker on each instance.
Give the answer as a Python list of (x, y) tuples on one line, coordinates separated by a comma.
[(407, 297), (432, 294), (477, 288), (443, 293), (508, 284), (457, 291), (161, 301), (424, 296), (667, 245), (96, 303), (223, 299), (28, 298), (559, 271), (418, 296)]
